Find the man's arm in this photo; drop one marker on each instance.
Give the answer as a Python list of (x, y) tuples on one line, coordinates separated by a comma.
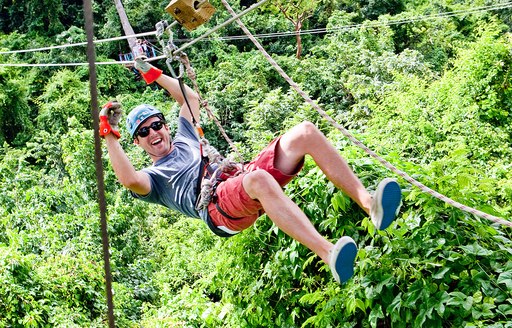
[(136, 181), (173, 87), (152, 74)]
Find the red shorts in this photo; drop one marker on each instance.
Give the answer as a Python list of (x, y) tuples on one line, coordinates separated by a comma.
[(234, 200)]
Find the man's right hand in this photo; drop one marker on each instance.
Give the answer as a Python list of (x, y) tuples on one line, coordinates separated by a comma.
[(149, 72), (110, 115)]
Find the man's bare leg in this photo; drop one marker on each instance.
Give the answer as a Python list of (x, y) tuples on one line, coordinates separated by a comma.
[(306, 139), (285, 213), (290, 219)]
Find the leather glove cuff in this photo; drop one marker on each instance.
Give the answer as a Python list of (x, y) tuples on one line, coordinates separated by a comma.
[(151, 75)]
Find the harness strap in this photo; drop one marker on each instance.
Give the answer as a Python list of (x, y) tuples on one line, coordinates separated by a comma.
[(213, 198), (208, 189), (215, 230), (202, 170), (206, 186), (221, 211)]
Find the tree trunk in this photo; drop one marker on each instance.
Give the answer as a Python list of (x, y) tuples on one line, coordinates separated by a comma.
[(127, 27), (298, 38)]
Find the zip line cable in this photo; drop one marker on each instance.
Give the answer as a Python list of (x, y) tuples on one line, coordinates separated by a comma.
[(358, 143), (256, 5), (369, 25), (77, 44), (91, 57), (291, 33), (67, 64), (263, 35)]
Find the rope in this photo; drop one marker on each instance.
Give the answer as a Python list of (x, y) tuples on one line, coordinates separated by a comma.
[(192, 76), (358, 143), (89, 27)]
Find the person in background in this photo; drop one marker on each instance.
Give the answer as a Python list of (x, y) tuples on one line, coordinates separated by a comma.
[(146, 49), (138, 49)]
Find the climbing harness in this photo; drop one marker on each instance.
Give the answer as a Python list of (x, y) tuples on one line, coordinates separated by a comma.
[(354, 140), (214, 167)]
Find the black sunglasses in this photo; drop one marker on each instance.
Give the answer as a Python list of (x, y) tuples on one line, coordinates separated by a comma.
[(144, 131)]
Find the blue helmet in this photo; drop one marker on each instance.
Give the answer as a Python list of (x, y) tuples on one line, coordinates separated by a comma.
[(139, 115)]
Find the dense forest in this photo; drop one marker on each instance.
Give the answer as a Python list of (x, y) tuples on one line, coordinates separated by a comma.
[(425, 84)]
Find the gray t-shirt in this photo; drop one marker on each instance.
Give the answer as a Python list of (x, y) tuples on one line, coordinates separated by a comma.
[(174, 177)]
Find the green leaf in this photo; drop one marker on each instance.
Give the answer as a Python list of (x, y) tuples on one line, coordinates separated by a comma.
[(394, 307), (505, 278), (421, 317), (468, 303), (476, 249), (478, 297), (505, 309), (442, 298), (457, 298), (312, 298), (440, 274), (375, 315)]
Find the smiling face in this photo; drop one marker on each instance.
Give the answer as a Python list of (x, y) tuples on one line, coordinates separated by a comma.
[(157, 143)]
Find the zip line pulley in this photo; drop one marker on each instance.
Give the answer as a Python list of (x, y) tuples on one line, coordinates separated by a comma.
[(190, 13)]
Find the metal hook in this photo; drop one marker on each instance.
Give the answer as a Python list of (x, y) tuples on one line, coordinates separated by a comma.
[(169, 48), (181, 68)]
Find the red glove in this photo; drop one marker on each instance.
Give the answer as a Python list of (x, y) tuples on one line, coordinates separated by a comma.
[(149, 72), (109, 119)]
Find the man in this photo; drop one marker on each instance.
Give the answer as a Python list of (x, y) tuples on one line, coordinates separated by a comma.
[(172, 181)]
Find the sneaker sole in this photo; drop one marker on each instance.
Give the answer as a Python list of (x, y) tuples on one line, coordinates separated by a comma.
[(391, 197), (344, 264)]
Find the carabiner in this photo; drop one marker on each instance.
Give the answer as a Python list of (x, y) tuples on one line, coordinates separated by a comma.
[(181, 67)]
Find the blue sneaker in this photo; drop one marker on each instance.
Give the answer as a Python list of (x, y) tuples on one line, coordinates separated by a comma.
[(342, 258), (386, 203)]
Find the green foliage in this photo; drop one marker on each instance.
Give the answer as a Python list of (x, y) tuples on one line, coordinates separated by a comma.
[(458, 112), (486, 67), (57, 291), (432, 96), (64, 96), (15, 123), (371, 10), (228, 96), (77, 148), (114, 79), (68, 54), (33, 16)]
